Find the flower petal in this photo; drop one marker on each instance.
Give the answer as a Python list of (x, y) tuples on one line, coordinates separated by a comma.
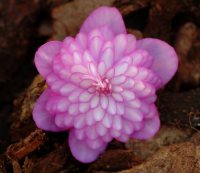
[(104, 16), (101, 129), (112, 108), (79, 121), (107, 33), (82, 40), (91, 132), (121, 68), (56, 103), (151, 126), (81, 151), (131, 43), (165, 61), (117, 122), (107, 57), (63, 120), (98, 113), (45, 55), (107, 121), (83, 107), (42, 118), (95, 144), (128, 127), (95, 46), (89, 118), (133, 114), (120, 44)]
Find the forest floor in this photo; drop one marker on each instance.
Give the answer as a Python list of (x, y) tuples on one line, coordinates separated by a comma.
[(25, 25)]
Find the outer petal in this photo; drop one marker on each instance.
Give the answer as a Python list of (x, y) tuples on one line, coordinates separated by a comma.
[(45, 55), (81, 151), (56, 103), (42, 118), (151, 126), (165, 61), (104, 16)]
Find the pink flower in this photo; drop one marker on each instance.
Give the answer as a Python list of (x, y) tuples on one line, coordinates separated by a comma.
[(102, 84)]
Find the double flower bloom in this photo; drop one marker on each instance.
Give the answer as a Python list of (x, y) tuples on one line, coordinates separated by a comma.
[(102, 84)]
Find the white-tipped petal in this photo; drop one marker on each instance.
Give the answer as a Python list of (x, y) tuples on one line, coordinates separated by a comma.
[(108, 57), (107, 121), (98, 113), (133, 115), (128, 95), (89, 118), (101, 130), (73, 109), (83, 107), (121, 68), (117, 122), (118, 97), (94, 101), (111, 106), (79, 122), (118, 80), (85, 96), (101, 68), (120, 108), (104, 102)]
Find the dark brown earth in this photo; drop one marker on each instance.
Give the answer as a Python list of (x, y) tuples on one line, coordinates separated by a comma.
[(25, 25)]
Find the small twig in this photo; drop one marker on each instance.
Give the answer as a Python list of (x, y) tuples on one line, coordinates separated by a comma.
[(26, 146)]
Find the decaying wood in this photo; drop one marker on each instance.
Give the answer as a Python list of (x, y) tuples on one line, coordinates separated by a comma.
[(31, 143), (16, 166), (21, 119), (28, 164), (28, 100)]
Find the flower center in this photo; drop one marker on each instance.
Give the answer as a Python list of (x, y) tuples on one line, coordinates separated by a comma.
[(103, 86)]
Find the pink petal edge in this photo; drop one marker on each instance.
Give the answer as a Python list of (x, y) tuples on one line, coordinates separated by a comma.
[(42, 118), (151, 126), (45, 55), (104, 16), (165, 61), (81, 151)]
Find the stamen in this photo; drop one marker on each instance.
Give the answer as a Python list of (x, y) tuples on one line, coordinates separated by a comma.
[(102, 86)]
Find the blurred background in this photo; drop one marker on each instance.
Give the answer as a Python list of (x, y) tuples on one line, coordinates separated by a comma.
[(26, 24)]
